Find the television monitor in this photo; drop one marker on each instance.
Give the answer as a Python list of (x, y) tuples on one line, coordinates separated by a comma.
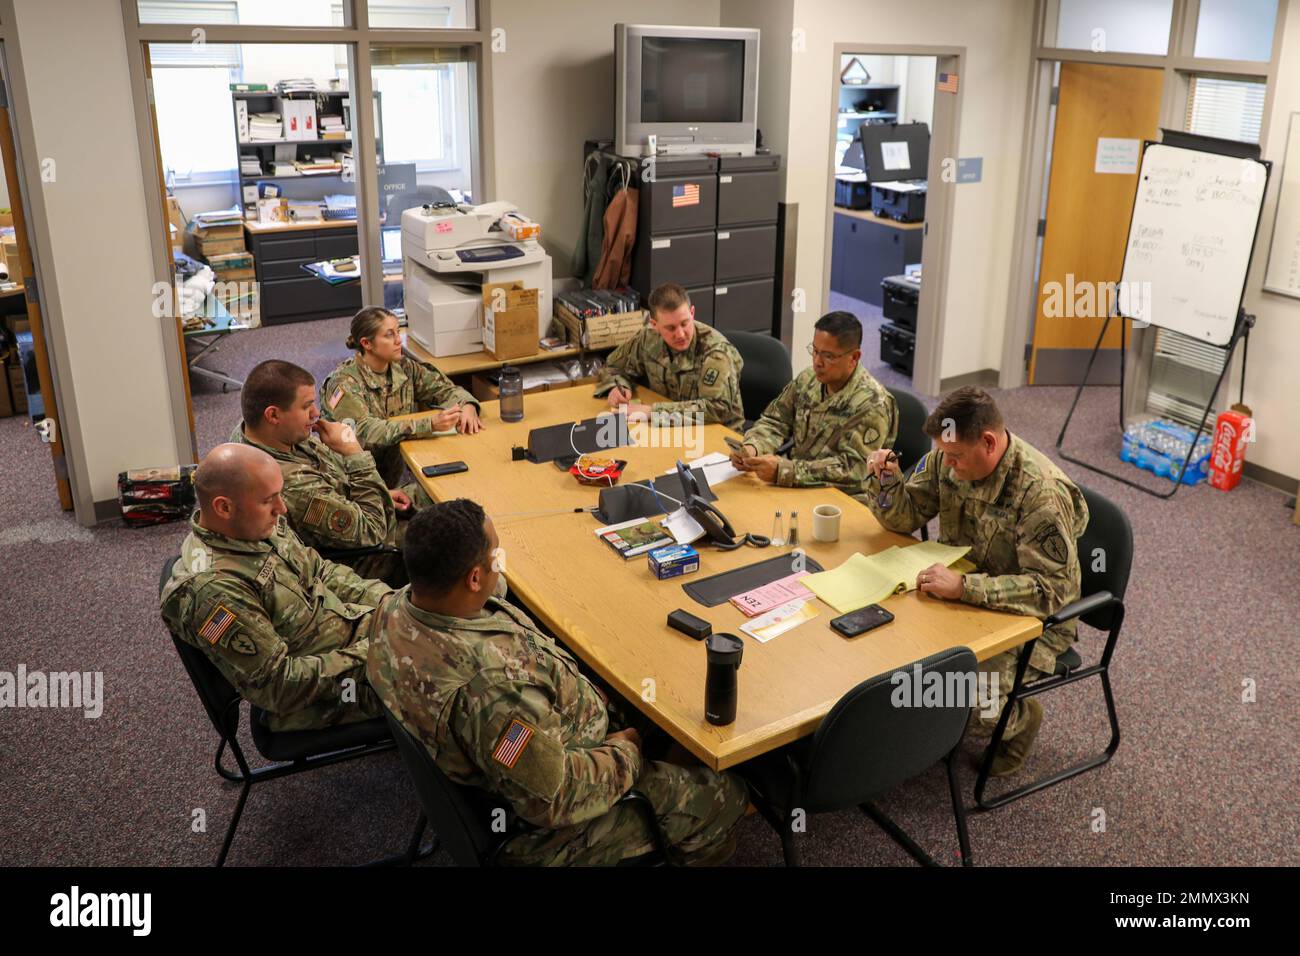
[(695, 89)]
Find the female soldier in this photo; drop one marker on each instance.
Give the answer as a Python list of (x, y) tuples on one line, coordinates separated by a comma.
[(380, 382)]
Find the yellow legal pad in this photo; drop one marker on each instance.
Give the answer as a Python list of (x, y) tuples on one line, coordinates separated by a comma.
[(863, 580)]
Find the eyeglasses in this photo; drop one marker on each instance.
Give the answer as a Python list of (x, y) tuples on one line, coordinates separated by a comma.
[(827, 356), (888, 481)]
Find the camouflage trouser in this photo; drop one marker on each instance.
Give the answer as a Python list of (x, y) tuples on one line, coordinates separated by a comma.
[(984, 719), (697, 809)]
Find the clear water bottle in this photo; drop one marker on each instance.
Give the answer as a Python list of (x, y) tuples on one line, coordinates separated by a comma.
[(512, 394)]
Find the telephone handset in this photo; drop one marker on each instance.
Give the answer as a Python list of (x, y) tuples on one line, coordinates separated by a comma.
[(715, 525)]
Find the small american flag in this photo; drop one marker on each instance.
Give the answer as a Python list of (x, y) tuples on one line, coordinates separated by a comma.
[(512, 744), (688, 194), (947, 83), (217, 624)]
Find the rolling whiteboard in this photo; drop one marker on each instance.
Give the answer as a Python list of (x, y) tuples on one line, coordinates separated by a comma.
[(1284, 255), (1190, 239)]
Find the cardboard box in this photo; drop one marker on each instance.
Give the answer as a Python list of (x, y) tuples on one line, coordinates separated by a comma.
[(221, 247), (17, 388), (509, 320)]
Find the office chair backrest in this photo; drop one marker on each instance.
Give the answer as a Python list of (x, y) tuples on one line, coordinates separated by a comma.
[(1109, 536), (213, 689), (767, 370), (400, 202), (462, 826), (868, 745), (912, 441)]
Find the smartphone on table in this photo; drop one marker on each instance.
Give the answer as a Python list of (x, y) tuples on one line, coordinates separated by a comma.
[(860, 621)]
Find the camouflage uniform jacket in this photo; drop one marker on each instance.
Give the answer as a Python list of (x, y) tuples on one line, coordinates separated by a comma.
[(1021, 523), (833, 434), (281, 623), (502, 708), (353, 391), (335, 501), (704, 378)]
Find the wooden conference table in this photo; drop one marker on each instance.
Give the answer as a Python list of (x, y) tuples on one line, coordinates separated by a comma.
[(612, 613)]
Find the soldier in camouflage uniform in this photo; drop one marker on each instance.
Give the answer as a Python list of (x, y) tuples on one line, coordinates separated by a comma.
[(380, 382), (335, 497), (502, 708), (687, 361), (835, 414), (282, 624), (1021, 518)]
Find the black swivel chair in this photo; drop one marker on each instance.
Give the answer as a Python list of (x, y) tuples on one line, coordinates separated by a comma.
[(1101, 605), (291, 751), (767, 370), (463, 816), (912, 442), (865, 747)]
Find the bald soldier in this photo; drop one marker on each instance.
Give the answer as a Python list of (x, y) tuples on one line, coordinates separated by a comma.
[(281, 623), (834, 412), (687, 361), (1021, 518), (502, 708), (335, 495)]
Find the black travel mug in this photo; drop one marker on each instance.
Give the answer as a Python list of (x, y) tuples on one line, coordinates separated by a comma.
[(724, 652)]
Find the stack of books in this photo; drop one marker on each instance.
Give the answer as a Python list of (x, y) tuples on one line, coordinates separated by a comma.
[(263, 127), (217, 233), (302, 85), (331, 127), (319, 166), (249, 165)]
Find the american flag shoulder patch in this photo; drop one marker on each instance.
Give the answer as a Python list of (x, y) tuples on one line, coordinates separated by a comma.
[(315, 514), (218, 622), (512, 744), (336, 398)]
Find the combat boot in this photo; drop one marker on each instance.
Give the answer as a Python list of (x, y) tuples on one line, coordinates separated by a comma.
[(1011, 754)]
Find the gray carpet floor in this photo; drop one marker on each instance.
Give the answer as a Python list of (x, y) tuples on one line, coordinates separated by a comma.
[(1200, 778)]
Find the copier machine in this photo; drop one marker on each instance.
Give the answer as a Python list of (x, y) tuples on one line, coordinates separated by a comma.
[(449, 252)]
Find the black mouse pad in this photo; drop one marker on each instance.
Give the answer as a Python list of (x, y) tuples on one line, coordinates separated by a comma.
[(721, 588), (578, 438), (635, 500)]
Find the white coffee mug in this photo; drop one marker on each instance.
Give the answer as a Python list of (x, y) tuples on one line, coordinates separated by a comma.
[(826, 523)]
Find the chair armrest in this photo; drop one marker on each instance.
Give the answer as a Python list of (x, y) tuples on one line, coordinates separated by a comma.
[(1093, 602)]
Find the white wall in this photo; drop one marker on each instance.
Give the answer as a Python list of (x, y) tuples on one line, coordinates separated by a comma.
[(97, 225), (775, 20), (994, 78), (1275, 341), (553, 88)]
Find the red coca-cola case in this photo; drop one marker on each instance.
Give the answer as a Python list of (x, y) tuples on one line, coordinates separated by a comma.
[(1228, 454)]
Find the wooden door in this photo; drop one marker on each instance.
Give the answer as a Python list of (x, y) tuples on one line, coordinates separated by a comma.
[(1088, 215), (26, 274)]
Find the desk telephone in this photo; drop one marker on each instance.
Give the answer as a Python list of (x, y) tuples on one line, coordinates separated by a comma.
[(715, 524)]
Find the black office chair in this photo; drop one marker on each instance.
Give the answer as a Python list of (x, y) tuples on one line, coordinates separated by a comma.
[(912, 442), (400, 202), (291, 751), (463, 816), (767, 370), (1101, 605), (865, 747)]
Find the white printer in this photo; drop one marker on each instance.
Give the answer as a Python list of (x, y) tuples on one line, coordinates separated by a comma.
[(449, 253)]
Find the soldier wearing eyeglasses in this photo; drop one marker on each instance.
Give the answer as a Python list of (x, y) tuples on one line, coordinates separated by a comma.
[(835, 413)]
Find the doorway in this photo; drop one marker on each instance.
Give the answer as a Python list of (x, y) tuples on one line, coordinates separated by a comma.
[(28, 402), (895, 139)]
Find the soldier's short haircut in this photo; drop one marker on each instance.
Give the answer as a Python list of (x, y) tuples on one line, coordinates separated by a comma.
[(970, 411), (668, 297), (271, 383), (443, 543), (844, 326)]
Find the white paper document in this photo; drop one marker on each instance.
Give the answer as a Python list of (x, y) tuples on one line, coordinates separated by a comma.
[(716, 465), (895, 155)]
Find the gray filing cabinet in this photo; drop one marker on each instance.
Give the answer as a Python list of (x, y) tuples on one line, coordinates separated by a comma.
[(710, 224), (289, 294), (866, 250)]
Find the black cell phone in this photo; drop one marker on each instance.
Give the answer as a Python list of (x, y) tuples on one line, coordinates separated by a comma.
[(446, 468), (862, 620)]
